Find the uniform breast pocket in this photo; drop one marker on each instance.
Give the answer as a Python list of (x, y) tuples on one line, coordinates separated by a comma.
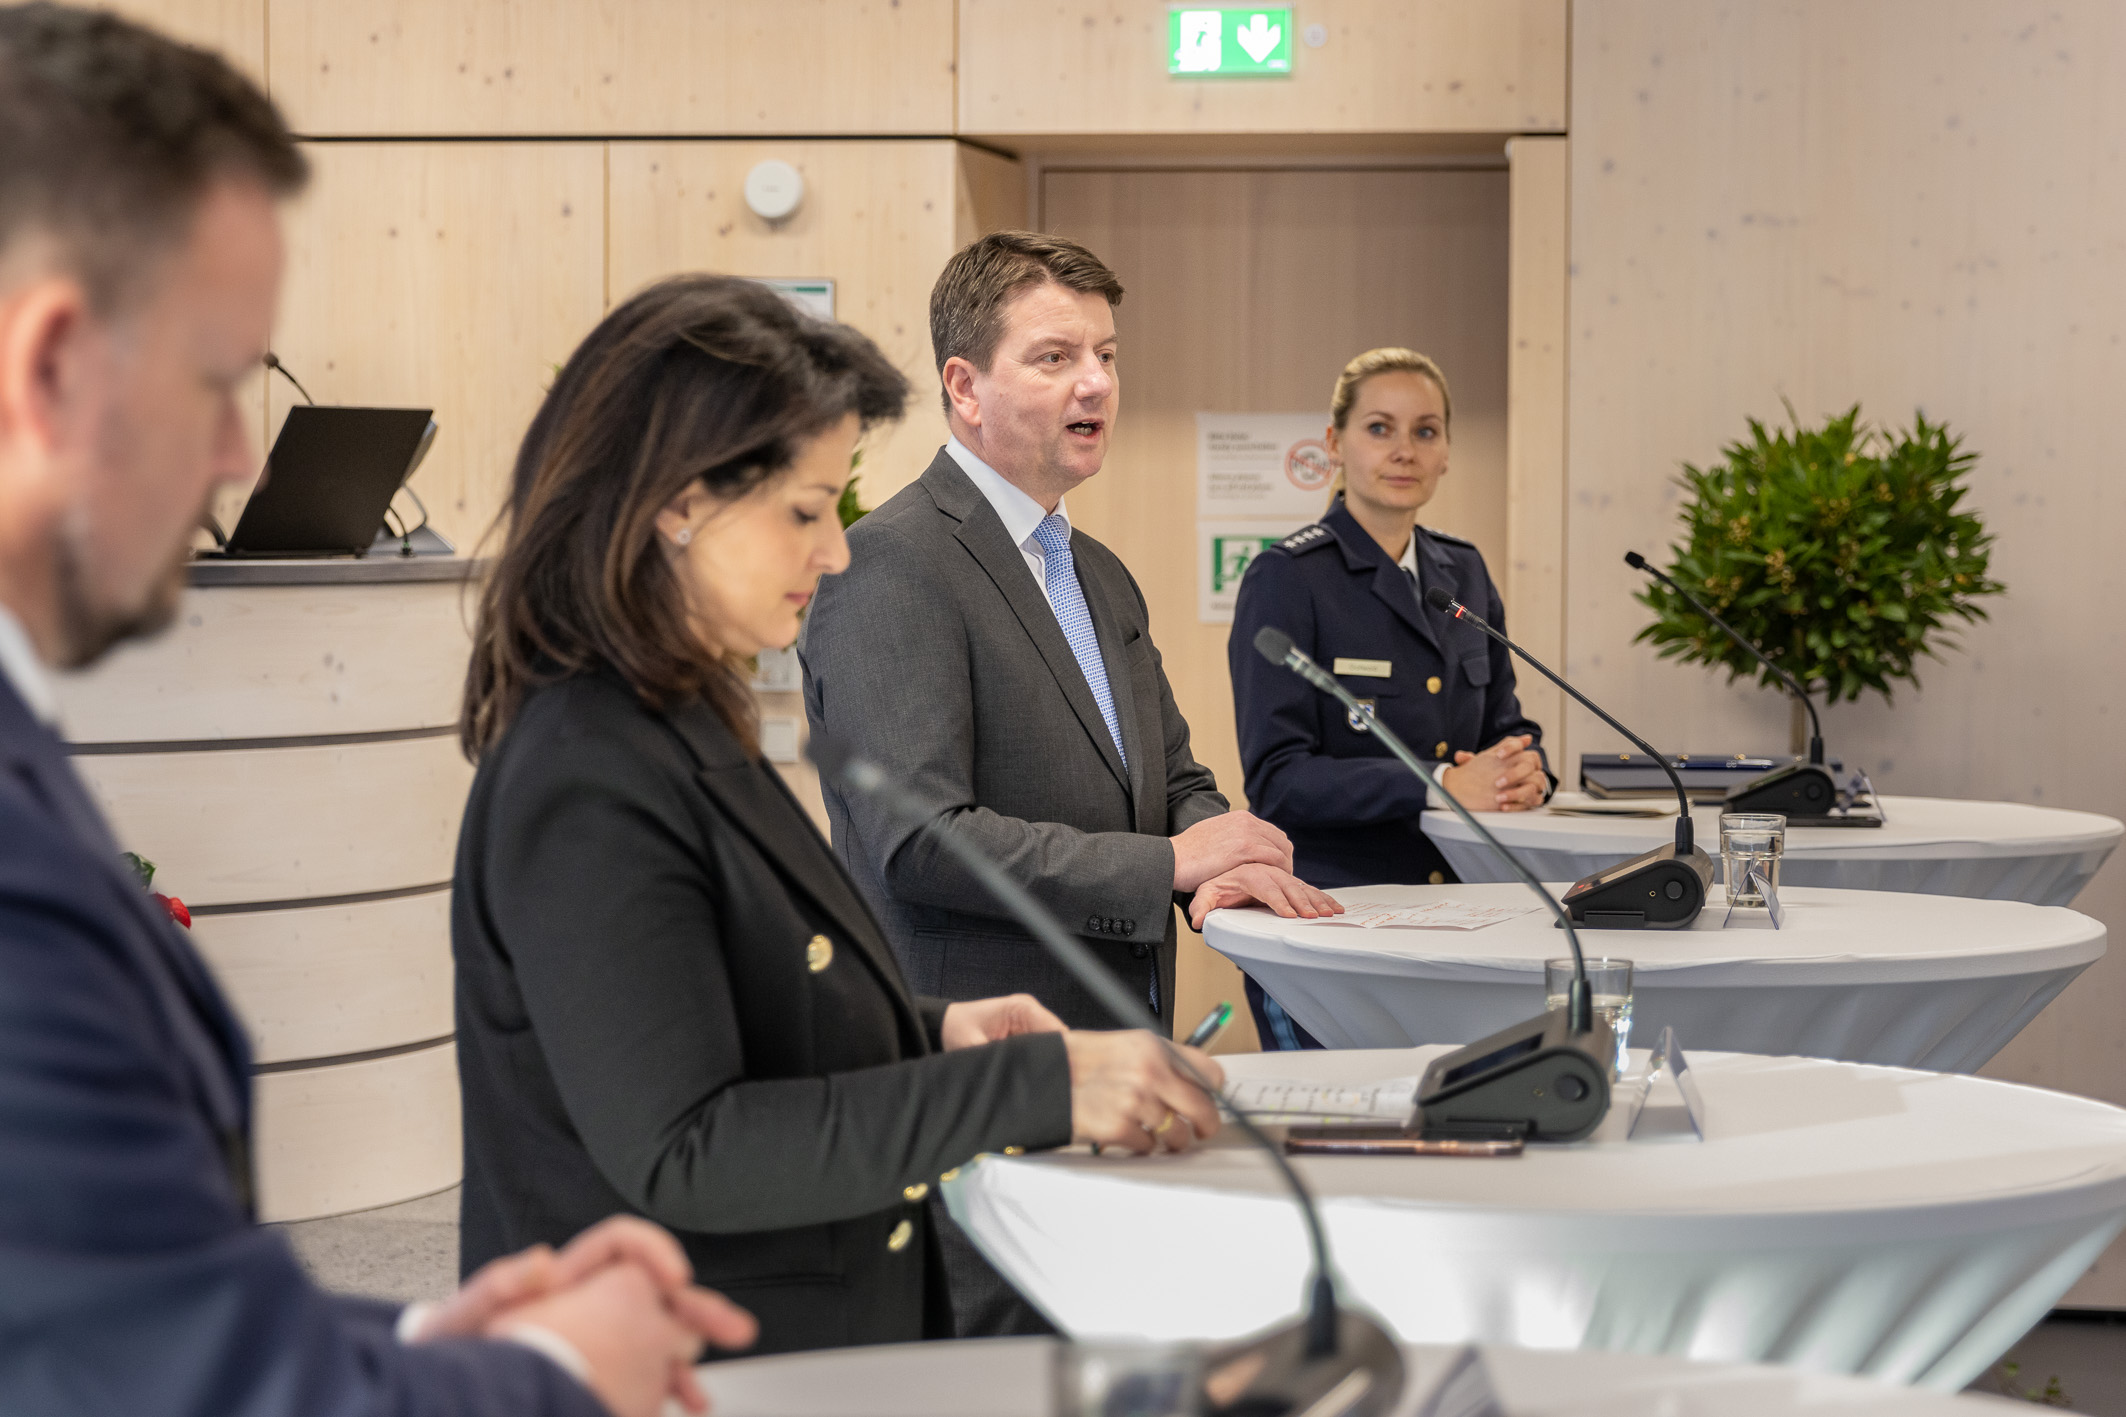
[(1477, 669)]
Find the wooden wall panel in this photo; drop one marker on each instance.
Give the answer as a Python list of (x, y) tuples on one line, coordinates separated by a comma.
[(357, 1135), (1763, 209), (236, 29), (416, 67), (990, 195), (279, 661), (1533, 576), (1048, 67), (877, 216), (449, 275), (1248, 290), (327, 981), (259, 824)]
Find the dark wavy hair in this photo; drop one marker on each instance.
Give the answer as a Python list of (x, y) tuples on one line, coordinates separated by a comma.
[(700, 378)]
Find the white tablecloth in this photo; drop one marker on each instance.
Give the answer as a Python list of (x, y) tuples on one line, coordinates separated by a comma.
[(1840, 1218), (1932, 845), (1011, 1377), (1918, 981)]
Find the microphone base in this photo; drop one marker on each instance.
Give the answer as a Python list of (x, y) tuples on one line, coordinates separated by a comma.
[(1802, 792), (1272, 1375), (1660, 890), (1538, 1080)]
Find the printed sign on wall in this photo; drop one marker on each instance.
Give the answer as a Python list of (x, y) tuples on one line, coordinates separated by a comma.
[(1263, 465), (1259, 478)]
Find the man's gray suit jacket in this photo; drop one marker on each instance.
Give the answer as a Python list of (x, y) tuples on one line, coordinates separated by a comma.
[(937, 655)]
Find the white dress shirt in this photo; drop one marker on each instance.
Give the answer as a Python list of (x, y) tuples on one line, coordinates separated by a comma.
[(1019, 512), (24, 671)]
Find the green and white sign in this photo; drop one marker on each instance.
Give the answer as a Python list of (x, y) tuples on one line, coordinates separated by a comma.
[(1223, 552), (1256, 39)]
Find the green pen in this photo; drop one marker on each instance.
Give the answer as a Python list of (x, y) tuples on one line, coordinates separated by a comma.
[(1206, 1033)]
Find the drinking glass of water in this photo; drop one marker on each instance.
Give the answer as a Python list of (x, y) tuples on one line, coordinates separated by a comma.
[(1610, 982), (1750, 842)]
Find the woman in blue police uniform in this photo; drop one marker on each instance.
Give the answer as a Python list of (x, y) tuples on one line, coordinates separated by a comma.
[(1349, 590)]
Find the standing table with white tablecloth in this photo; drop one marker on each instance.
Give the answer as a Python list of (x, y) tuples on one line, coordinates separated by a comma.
[(1901, 1225), (1864, 976), (1015, 1377), (1930, 845)]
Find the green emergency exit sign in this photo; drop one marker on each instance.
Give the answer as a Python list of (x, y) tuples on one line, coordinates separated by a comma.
[(1255, 40)]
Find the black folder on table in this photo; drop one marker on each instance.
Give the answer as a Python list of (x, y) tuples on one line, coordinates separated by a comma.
[(330, 477)]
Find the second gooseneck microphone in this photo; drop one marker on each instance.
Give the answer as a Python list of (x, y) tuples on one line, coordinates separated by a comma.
[(1663, 889), (1802, 791), (1544, 1079)]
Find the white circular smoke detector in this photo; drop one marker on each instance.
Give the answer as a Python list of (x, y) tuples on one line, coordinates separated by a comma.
[(773, 189), (1315, 36)]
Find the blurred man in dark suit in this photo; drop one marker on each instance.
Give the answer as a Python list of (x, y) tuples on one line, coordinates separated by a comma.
[(140, 253)]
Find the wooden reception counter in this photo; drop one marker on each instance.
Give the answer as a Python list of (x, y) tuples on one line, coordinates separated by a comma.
[(287, 756)]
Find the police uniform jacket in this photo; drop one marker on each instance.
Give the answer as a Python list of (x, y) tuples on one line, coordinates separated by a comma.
[(1440, 684), (672, 1001)]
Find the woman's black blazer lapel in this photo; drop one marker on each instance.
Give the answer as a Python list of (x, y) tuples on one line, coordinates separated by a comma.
[(776, 823)]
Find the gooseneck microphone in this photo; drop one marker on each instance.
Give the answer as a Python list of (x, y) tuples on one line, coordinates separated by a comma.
[(1664, 889), (272, 361), (1799, 790), (1487, 1085), (1276, 646), (1334, 1361), (1639, 563)]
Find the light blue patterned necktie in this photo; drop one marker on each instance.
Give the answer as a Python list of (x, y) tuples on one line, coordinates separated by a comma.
[(1060, 573)]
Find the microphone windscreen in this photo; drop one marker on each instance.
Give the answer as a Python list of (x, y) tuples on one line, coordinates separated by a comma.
[(1272, 644), (1438, 599), (1634, 560), (829, 754)]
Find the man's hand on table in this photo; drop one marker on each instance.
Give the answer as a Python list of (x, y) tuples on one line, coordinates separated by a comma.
[(1216, 845), (1280, 890)]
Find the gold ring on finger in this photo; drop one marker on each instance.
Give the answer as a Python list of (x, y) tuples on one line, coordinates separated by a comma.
[(1171, 1118)]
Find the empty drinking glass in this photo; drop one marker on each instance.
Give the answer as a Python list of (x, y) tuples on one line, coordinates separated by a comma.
[(1610, 982), (1750, 842)]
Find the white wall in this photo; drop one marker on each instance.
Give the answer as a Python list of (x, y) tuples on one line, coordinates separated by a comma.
[(1909, 203)]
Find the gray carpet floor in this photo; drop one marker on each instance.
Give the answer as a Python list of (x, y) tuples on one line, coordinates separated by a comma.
[(410, 1251)]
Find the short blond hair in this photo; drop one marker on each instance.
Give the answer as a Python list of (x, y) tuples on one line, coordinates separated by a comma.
[(1391, 359)]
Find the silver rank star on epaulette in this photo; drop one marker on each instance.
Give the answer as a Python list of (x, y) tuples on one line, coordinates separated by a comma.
[(1303, 538)]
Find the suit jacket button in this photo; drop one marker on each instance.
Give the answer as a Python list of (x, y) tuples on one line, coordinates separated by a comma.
[(902, 1234), (1014, 1151), (1441, 750), (1129, 927), (819, 953), (1437, 879), (1092, 924), (951, 1175), (1432, 685), (916, 1192)]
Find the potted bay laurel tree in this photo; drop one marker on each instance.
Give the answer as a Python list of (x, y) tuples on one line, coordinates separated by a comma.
[(1843, 551)]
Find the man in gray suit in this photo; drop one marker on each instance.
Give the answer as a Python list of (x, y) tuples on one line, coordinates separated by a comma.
[(1002, 664)]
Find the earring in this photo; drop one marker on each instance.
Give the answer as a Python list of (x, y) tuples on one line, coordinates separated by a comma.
[(683, 535)]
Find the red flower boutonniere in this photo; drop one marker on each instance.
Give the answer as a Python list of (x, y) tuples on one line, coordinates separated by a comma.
[(145, 869)]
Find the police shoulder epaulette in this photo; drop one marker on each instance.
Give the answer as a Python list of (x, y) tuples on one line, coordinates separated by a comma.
[(1449, 537), (1306, 538)]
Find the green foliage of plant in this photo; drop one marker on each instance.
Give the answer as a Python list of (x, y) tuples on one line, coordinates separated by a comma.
[(849, 507), (1841, 550)]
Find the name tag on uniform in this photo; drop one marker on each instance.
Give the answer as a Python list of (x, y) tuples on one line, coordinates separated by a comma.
[(1365, 668)]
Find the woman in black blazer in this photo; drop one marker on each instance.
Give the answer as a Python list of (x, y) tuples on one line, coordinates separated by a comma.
[(670, 998)]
